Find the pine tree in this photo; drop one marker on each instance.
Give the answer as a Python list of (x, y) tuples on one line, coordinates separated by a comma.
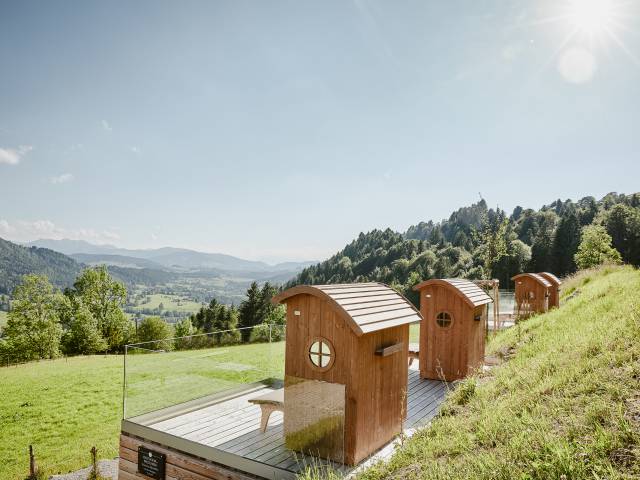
[(250, 310), (542, 247), (623, 224), (565, 243)]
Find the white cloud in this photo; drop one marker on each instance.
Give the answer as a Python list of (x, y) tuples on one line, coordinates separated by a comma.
[(13, 156), (106, 126), (154, 236), (62, 178), (5, 228), (135, 149), (25, 231)]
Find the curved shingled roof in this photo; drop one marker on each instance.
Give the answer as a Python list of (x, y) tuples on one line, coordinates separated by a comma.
[(551, 277), (367, 307), (471, 293), (539, 278)]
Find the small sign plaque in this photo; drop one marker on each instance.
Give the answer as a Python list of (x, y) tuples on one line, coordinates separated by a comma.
[(150, 463)]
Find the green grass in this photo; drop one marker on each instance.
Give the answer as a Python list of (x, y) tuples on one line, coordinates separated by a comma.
[(564, 405), (169, 302), (158, 380), (64, 407), (414, 333)]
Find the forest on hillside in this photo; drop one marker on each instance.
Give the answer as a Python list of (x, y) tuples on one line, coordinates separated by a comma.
[(482, 242), (17, 261)]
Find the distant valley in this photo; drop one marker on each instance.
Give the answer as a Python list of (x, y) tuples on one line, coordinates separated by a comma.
[(179, 276)]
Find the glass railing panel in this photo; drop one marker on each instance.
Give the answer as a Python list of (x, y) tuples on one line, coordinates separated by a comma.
[(314, 418), (167, 373)]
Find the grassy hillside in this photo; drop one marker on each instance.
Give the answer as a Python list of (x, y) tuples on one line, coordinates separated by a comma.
[(64, 407), (565, 404)]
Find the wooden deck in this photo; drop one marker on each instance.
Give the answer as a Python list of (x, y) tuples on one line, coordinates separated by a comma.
[(232, 427)]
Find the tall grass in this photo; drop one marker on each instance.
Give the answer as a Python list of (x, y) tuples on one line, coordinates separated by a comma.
[(565, 404)]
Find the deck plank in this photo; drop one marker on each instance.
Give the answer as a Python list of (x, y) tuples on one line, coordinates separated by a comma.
[(233, 426)]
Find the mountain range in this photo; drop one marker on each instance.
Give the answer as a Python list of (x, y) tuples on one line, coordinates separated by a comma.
[(62, 260)]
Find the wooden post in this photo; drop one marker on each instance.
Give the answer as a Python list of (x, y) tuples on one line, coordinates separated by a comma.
[(32, 463), (496, 305), (94, 459)]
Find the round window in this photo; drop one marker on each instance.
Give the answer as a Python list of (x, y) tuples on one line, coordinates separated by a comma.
[(443, 319), (321, 354)]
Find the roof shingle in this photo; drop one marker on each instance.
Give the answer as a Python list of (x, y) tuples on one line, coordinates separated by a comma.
[(471, 293), (539, 278), (368, 307)]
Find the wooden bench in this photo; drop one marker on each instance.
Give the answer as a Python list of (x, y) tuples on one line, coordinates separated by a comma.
[(269, 403), (414, 352)]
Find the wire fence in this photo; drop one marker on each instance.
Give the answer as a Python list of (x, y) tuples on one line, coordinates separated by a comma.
[(10, 361), (45, 463)]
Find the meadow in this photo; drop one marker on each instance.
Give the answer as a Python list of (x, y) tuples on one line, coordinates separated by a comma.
[(169, 302), (64, 407)]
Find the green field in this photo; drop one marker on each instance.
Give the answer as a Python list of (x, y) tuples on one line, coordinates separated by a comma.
[(64, 407), (564, 405), (169, 302)]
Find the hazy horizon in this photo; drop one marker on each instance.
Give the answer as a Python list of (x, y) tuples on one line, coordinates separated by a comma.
[(278, 131)]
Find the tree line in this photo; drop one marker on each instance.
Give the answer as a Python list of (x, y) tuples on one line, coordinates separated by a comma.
[(480, 242), (88, 318)]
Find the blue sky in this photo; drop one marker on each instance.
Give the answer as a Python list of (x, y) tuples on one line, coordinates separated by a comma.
[(280, 130)]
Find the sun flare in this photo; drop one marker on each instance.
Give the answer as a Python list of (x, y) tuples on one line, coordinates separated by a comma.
[(591, 16)]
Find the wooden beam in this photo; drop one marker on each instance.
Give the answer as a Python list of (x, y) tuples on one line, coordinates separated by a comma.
[(390, 350)]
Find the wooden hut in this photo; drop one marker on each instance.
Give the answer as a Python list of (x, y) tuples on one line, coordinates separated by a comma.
[(531, 294), (554, 291), (346, 348), (452, 332)]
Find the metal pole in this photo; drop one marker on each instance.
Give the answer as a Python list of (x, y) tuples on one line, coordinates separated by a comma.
[(270, 353), (124, 384)]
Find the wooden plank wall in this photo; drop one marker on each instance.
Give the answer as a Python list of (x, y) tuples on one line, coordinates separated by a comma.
[(539, 304), (179, 466), (379, 386), (554, 295), (477, 336), (375, 386), (445, 348)]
